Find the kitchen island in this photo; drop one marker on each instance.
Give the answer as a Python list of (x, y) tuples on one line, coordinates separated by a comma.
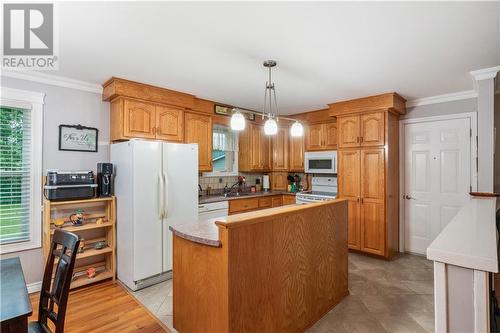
[(274, 270)]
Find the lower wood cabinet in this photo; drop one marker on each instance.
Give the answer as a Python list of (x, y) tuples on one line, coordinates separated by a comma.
[(198, 129), (245, 205), (277, 201), (373, 227), (353, 224), (289, 199), (361, 180)]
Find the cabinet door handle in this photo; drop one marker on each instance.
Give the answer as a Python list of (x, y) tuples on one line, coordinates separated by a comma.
[(361, 139), (154, 130), (357, 139)]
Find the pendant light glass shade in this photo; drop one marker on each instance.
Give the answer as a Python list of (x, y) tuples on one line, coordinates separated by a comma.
[(270, 127), (237, 121), (297, 129)]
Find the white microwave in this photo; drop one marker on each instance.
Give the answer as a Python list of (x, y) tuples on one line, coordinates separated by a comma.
[(320, 161)]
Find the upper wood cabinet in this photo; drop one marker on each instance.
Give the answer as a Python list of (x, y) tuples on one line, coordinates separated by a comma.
[(372, 129), (138, 119), (348, 132), (279, 181), (280, 149), (296, 154), (254, 150), (169, 123), (331, 135), (314, 137), (198, 129), (364, 130), (321, 136)]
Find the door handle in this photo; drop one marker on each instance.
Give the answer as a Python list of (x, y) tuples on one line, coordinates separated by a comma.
[(160, 197), (165, 206), (407, 197)]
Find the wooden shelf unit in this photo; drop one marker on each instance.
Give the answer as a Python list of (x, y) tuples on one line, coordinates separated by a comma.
[(103, 260)]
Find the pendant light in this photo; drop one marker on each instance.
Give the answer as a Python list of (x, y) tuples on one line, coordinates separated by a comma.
[(237, 121), (271, 125), (297, 129)]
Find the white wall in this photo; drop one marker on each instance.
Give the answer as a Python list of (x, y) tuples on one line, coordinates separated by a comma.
[(63, 106), (461, 106)]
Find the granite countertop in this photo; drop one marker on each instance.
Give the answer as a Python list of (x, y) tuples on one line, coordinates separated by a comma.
[(204, 232), (219, 197)]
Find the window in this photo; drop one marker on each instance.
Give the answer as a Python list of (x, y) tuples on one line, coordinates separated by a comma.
[(225, 152), (20, 169)]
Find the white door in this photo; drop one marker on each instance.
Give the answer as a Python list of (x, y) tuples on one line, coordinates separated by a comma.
[(180, 172), (147, 231), (437, 177)]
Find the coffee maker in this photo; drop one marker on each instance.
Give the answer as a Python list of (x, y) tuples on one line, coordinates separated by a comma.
[(105, 179)]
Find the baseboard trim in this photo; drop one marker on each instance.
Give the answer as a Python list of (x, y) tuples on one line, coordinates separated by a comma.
[(34, 287)]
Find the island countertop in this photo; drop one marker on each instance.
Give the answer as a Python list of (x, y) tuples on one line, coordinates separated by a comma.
[(206, 232)]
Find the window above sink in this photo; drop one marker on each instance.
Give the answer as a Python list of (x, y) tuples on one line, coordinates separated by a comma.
[(225, 152)]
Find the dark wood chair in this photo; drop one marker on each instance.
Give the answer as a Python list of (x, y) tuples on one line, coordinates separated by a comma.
[(64, 247)]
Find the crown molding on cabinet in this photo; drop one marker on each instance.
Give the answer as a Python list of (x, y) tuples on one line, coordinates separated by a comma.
[(54, 80), (461, 95)]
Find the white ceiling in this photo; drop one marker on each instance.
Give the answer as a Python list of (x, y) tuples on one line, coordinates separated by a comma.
[(326, 52)]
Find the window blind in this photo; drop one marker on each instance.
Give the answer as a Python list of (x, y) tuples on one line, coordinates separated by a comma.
[(15, 174)]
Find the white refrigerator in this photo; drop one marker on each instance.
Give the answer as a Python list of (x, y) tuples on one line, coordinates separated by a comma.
[(156, 185)]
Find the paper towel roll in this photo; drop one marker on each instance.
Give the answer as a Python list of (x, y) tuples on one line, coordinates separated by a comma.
[(265, 182)]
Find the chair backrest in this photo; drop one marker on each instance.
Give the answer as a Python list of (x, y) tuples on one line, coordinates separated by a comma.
[(55, 285)]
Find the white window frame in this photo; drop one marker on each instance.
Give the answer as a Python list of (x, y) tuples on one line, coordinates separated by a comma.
[(33, 101), (235, 164)]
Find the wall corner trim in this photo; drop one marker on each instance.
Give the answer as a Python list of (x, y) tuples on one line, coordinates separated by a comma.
[(467, 94), (34, 287), (485, 73), (54, 80)]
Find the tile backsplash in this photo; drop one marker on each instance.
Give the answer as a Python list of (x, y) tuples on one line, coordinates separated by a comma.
[(218, 183)]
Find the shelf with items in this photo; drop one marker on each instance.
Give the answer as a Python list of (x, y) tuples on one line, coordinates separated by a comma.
[(98, 224)]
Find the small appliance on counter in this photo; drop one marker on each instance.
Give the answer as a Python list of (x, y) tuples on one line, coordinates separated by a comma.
[(105, 179), (265, 183), (70, 185)]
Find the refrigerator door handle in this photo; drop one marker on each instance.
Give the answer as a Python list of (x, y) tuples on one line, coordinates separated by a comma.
[(165, 189), (160, 196)]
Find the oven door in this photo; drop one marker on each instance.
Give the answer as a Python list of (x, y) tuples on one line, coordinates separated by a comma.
[(321, 162)]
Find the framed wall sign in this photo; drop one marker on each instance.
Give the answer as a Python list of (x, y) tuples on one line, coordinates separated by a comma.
[(78, 138), (228, 111)]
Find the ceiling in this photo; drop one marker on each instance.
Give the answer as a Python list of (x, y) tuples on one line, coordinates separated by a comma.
[(326, 52)]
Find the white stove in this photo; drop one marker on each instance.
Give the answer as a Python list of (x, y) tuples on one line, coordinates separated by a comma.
[(323, 188)]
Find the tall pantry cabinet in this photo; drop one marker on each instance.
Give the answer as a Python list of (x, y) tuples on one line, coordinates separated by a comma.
[(368, 177)]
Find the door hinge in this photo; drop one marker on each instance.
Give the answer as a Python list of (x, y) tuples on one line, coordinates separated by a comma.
[(470, 132), (470, 188)]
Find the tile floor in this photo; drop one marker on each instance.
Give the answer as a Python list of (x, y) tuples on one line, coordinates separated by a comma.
[(395, 296)]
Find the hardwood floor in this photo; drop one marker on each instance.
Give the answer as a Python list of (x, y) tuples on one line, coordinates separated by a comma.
[(105, 307)]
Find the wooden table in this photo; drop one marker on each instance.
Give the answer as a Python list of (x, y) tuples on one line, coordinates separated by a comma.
[(15, 305)]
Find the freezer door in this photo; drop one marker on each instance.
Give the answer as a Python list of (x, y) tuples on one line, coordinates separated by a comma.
[(147, 182), (180, 167)]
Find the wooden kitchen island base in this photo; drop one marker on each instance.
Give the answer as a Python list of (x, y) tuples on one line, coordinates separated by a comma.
[(275, 270)]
